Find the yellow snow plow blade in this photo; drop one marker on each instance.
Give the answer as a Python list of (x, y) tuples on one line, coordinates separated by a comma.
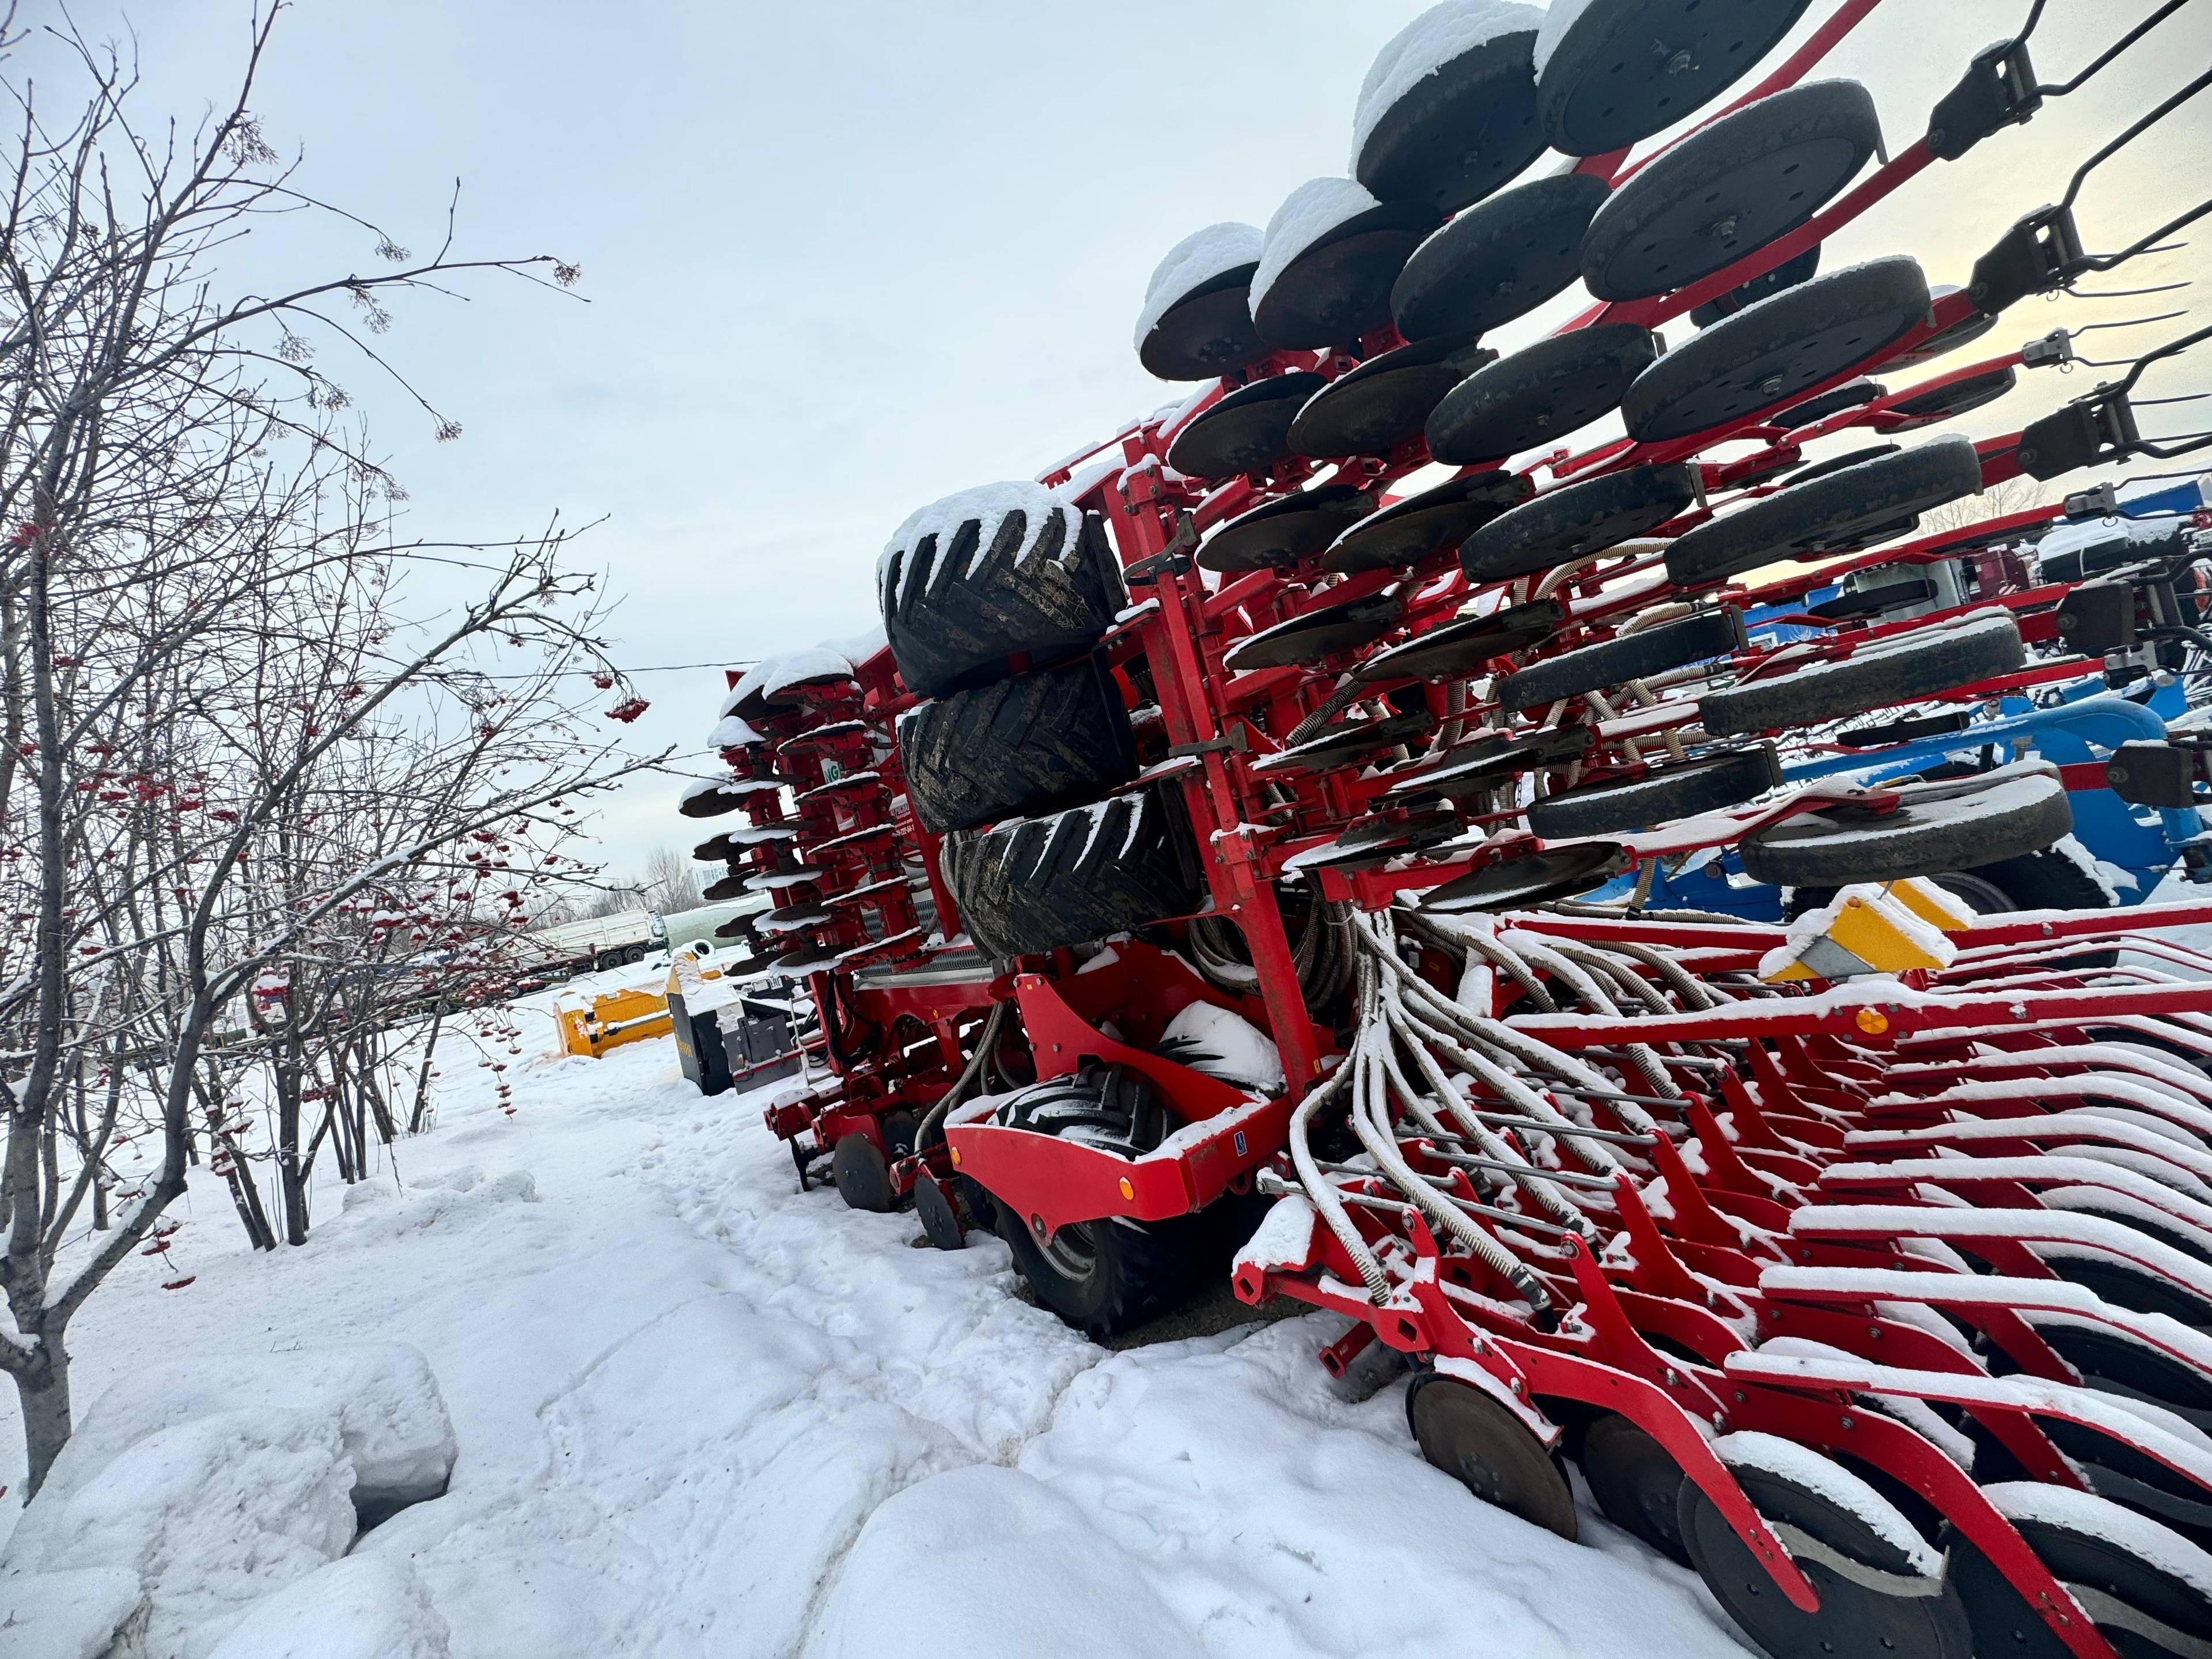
[(611, 1020)]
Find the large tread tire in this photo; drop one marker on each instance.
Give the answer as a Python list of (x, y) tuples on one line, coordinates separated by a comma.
[(1539, 394), (1905, 669), (1587, 106), (1936, 828), (1498, 260), (1693, 638), (955, 607), (1032, 884), (1685, 790), (1772, 354), (1103, 1277), (1579, 519), (1026, 744), (1828, 514), (1729, 189)]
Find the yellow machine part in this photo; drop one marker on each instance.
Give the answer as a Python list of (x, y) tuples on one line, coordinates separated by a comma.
[(1860, 939), (611, 1020)]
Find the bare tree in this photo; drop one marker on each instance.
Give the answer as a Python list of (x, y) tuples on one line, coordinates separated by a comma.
[(244, 731), (672, 881)]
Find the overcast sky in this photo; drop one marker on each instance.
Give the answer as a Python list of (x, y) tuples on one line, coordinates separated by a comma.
[(845, 256)]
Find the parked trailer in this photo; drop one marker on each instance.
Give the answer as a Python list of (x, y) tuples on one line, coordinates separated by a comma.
[(1209, 840), (595, 944)]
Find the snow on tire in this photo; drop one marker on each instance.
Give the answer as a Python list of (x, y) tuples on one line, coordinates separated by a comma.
[(1904, 668), (1934, 827), (1024, 744), (1032, 884), (968, 581)]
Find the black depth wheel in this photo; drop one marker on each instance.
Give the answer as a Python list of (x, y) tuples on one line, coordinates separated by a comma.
[(1484, 1447), (1854, 1619), (1636, 1483), (862, 1175), (938, 1216)]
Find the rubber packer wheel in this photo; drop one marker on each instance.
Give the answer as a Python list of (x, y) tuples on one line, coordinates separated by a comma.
[(1854, 1619), (1384, 401), (2088, 1542), (1677, 644), (1248, 431), (1458, 132), (1581, 519), (1539, 394), (1032, 884), (1827, 514), (1498, 260), (1624, 69), (956, 604), (1904, 669), (1685, 790), (1772, 353), (1025, 744), (1636, 1483), (1476, 1440), (1936, 827), (1729, 189)]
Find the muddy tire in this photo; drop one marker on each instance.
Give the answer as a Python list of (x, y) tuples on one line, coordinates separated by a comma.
[(1917, 665), (1772, 354), (956, 606), (1025, 745), (1685, 790), (1036, 884), (1936, 828)]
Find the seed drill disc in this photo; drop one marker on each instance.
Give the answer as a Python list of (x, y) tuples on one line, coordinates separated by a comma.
[(862, 1176), (1966, 329), (1729, 189), (1319, 634), (1788, 274), (1635, 1482), (1851, 394), (1498, 260), (1277, 534), (2128, 1593), (1408, 532), (1384, 401), (1770, 353), (1585, 518), (1624, 69), (1207, 332), (1538, 395), (1460, 648), (1534, 878), (1475, 766), (728, 887), (1854, 1618), (1338, 288), (938, 1216), (1377, 841), (1346, 741), (1946, 403), (1461, 132), (1248, 431)]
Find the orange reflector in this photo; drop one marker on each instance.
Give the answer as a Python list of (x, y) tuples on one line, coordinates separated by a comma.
[(1872, 1021), (1128, 1191), (955, 1155)]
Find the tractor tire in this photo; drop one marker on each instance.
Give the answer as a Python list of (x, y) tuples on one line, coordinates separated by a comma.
[(955, 607), (1688, 790), (1772, 354), (1033, 884), (1105, 1276), (1935, 828), (1694, 638), (1918, 665), (1729, 189), (1025, 744), (1828, 514)]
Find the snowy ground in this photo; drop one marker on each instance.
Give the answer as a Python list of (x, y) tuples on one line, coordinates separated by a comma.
[(699, 1414)]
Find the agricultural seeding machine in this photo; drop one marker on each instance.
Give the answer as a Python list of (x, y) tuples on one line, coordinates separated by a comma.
[(1272, 842)]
